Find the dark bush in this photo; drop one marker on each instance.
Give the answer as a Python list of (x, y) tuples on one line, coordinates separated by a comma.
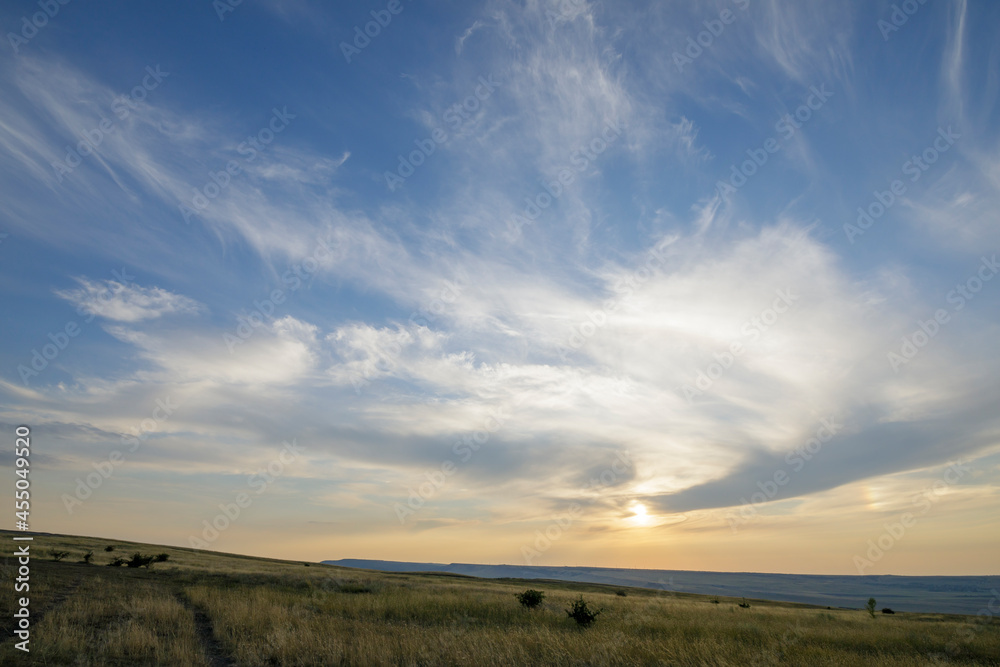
[(117, 562), (357, 586), (886, 610), (871, 607), (88, 556), (161, 558), (58, 555), (109, 548), (745, 604), (139, 560), (621, 594), (582, 614), (530, 598)]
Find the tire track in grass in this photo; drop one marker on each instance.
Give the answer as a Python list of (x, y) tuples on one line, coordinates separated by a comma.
[(216, 655)]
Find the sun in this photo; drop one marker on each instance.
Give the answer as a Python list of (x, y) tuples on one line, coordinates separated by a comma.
[(640, 516)]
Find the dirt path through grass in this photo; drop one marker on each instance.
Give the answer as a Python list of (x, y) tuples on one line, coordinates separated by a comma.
[(214, 652)]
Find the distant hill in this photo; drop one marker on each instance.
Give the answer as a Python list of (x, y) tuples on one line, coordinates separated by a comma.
[(948, 595)]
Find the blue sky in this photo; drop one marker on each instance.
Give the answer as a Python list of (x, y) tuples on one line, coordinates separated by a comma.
[(547, 282)]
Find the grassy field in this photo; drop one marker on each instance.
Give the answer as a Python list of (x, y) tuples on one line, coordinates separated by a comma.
[(204, 608)]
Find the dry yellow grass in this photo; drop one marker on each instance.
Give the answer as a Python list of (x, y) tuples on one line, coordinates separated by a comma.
[(409, 621), (199, 607), (109, 620)]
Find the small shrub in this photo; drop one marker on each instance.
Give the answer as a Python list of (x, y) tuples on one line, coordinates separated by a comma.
[(714, 600), (871, 607), (745, 604), (117, 562), (530, 598), (109, 548), (621, 594), (87, 557), (58, 555), (582, 613), (358, 586), (139, 560), (161, 558), (886, 610)]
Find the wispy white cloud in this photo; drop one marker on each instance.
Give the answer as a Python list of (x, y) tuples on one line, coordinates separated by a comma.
[(279, 354), (127, 303), (460, 40)]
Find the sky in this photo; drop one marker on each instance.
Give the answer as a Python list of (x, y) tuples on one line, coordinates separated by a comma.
[(674, 285)]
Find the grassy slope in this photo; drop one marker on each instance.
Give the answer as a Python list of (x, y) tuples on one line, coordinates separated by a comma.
[(205, 608)]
